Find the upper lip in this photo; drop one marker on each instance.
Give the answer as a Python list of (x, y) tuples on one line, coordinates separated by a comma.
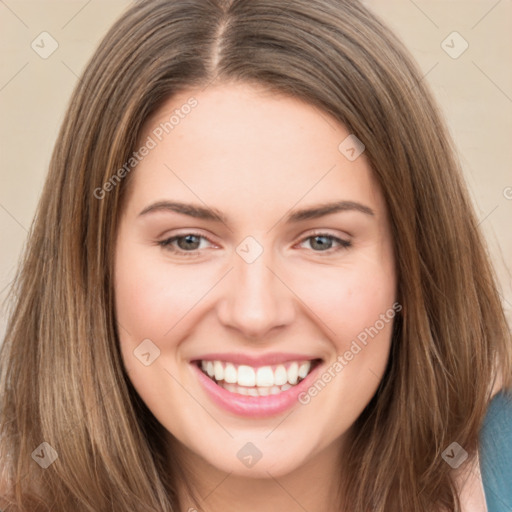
[(255, 360)]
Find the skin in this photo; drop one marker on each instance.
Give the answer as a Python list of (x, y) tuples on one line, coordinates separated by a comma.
[(468, 480), (255, 156)]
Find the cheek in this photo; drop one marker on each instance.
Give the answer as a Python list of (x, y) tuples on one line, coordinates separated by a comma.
[(349, 299), (357, 309), (366, 308), (149, 301), (152, 296), (356, 306)]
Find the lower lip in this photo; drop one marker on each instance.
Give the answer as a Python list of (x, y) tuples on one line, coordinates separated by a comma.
[(254, 406)]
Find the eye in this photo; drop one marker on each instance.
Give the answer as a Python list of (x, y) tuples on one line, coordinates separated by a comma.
[(187, 244), (323, 242)]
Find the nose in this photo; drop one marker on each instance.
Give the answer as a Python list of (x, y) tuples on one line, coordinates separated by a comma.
[(256, 299)]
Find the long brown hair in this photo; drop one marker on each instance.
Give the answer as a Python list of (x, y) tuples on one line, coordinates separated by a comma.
[(62, 377)]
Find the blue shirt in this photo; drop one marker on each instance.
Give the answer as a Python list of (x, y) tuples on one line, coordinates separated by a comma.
[(496, 453)]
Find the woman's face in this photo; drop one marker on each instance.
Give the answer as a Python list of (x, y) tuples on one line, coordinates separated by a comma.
[(254, 246)]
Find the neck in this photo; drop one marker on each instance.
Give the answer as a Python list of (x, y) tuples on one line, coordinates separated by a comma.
[(312, 486)]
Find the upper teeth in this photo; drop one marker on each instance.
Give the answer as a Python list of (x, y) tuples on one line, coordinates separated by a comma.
[(264, 376)]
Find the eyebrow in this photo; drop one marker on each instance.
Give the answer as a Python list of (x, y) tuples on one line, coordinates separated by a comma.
[(205, 213)]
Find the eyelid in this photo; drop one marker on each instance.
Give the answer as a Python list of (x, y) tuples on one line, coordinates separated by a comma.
[(342, 243), (166, 243)]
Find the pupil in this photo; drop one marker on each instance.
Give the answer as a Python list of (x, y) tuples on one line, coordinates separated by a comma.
[(184, 242), (192, 242), (321, 245)]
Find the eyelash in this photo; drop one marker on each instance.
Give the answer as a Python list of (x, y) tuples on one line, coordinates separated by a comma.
[(166, 244)]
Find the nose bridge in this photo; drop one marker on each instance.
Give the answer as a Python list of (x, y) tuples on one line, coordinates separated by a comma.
[(255, 301)]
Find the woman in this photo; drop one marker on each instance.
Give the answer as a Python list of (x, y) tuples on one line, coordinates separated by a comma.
[(254, 281)]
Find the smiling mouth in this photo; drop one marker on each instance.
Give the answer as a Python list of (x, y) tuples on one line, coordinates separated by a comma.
[(257, 381)]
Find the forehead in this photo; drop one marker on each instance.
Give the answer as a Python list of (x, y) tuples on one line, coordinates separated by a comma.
[(249, 149)]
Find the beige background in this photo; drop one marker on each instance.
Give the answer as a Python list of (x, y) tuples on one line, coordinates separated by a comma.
[(474, 90)]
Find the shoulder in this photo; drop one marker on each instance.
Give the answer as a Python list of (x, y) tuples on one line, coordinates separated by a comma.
[(496, 452)]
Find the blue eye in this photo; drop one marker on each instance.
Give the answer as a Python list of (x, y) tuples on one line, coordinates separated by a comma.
[(189, 244), (324, 242)]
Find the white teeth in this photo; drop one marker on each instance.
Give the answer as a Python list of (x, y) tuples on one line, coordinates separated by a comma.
[(260, 381), (304, 369), (263, 391), (230, 374), (219, 370), (265, 376), (242, 391), (293, 373), (280, 376), (246, 376)]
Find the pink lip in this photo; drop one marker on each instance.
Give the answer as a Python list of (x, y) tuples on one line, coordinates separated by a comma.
[(256, 361), (253, 406)]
